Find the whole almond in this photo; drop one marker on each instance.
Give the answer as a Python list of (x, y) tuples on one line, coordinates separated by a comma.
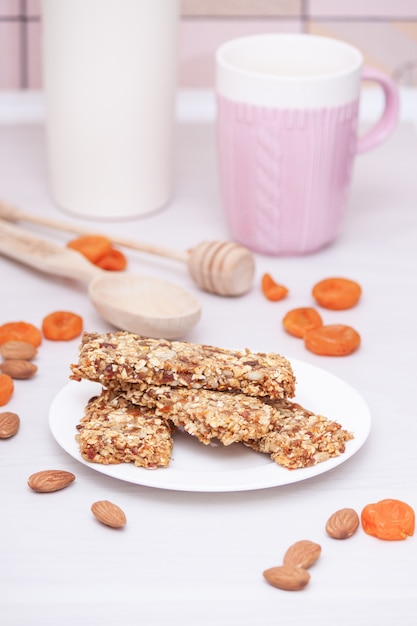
[(342, 524), (302, 554), (9, 424), (18, 350), (20, 369), (108, 513), (47, 481), (287, 577)]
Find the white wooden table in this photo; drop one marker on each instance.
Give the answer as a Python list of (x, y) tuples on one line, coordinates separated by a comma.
[(192, 558)]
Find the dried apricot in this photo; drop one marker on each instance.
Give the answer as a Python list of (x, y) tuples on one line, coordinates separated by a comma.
[(271, 289), (298, 321), (114, 260), (93, 247), (337, 293), (388, 519), (62, 326), (20, 331), (6, 388), (332, 340)]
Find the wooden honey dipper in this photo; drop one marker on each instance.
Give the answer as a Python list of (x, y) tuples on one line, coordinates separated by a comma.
[(221, 267)]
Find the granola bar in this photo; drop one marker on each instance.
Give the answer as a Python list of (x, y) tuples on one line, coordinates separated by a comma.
[(205, 414), (123, 356), (115, 431), (293, 436), (300, 438)]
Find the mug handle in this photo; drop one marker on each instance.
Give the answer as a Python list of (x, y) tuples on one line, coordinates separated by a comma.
[(388, 121)]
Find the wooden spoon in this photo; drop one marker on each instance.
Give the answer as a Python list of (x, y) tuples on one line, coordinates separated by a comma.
[(221, 267), (140, 304)]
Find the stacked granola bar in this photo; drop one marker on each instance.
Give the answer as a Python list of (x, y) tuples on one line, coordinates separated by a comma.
[(152, 386), (115, 431)]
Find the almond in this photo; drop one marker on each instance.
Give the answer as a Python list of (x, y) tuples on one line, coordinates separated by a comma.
[(342, 524), (108, 513), (50, 480), (17, 368), (287, 577), (302, 554), (18, 350), (9, 424)]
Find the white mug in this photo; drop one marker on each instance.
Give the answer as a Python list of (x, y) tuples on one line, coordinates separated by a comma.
[(287, 113), (109, 69)]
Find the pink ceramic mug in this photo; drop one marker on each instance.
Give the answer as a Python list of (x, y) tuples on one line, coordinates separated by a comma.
[(287, 112)]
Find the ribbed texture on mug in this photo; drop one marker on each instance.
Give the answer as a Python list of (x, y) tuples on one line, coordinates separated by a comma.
[(285, 174)]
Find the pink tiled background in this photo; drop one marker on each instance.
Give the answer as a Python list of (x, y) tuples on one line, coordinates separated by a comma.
[(385, 31)]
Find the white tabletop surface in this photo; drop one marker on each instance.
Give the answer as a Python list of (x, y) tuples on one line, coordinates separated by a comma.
[(191, 558)]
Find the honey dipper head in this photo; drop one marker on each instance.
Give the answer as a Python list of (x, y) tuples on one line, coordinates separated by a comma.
[(222, 267)]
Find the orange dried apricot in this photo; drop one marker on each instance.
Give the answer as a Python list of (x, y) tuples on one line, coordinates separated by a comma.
[(20, 331), (337, 293), (298, 321), (62, 326), (332, 340), (271, 289), (388, 519), (93, 247), (6, 388), (114, 260)]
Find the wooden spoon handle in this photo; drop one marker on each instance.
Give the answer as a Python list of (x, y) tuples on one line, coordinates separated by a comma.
[(224, 268), (20, 245), (13, 214)]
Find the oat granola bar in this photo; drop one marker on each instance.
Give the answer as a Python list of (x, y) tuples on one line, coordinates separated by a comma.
[(123, 356), (293, 436), (115, 431), (203, 413), (300, 438)]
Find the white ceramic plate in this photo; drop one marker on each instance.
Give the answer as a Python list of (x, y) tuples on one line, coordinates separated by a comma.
[(195, 467)]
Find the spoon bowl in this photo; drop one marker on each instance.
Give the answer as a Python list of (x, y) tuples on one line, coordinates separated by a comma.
[(146, 306)]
